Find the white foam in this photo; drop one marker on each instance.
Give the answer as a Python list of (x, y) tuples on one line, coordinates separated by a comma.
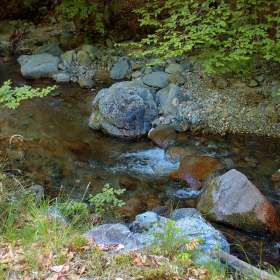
[(150, 162)]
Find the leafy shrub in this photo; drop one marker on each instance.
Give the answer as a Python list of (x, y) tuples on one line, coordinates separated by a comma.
[(11, 97), (107, 200), (228, 36), (95, 14)]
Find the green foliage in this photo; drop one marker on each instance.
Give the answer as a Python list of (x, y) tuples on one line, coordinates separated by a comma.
[(107, 200), (11, 97), (96, 14), (229, 37), (171, 243)]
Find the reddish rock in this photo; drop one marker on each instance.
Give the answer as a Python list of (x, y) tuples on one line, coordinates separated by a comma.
[(174, 175), (163, 136), (195, 170), (152, 202), (128, 183), (233, 199), (132, 208)]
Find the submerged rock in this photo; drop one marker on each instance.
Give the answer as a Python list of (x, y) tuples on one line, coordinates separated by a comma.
[(195, 170), (163, 136), (232, 199)]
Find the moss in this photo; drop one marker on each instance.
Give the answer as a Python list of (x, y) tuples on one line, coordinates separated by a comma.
[(95, 114), (206, 203), (247, 221)]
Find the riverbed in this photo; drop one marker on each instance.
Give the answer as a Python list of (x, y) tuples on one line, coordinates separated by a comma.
[(61, 153)]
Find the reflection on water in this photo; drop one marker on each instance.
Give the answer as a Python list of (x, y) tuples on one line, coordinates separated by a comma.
[(64, 155)]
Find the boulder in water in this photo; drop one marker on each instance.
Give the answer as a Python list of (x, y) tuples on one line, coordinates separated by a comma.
[(126, 109), (38, 65), (233, 199)]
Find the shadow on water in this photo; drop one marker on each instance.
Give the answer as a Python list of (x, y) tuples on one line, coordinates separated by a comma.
[(64, 155)]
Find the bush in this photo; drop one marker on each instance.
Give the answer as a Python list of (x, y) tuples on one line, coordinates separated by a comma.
[(228, 35)]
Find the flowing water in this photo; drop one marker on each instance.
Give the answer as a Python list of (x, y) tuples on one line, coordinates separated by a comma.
[(65, 156)]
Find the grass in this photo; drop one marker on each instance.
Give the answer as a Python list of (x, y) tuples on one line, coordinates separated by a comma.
[(36, 246)]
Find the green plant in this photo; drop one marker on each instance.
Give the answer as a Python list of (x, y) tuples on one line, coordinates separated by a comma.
[(169, 241), (106, 201), (11, 97), (95, 14), (226, 35)]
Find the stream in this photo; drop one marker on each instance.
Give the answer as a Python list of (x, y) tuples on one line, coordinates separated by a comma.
[(64, 155)]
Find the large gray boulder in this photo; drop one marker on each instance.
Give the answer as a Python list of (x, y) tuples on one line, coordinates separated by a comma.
[(126, 109), (188, 228), (115, 234), (38, 65), (233, 199)]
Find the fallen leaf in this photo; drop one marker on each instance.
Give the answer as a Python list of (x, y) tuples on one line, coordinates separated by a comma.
[(57, 268), (70, 256), (54, 277), (37, 245), (141, 260), (119, 248), (83, 270), (60, 268)]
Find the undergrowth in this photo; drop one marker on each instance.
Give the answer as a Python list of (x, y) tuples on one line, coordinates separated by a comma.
[(44, 239)]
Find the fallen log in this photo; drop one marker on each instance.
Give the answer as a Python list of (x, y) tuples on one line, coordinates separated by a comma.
[(243, 268)]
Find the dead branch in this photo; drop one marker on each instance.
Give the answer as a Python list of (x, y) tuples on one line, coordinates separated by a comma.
[(243, 268)]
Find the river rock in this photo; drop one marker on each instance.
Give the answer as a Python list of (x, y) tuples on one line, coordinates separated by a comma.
[(163, 136), (128, 183), (51, 48), (177, 78), (114, 234), (166, 97), (156, 79), (195, 170), (150, 227), (37, 190), (182, 213), (38, 65), (126, 109), (177, 153), (119, 71), (232, 199), (63, 78), (173, 68), (132, 208), (91, 50), (86, 82), (68, 56), (220, 82), (83, 59)]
